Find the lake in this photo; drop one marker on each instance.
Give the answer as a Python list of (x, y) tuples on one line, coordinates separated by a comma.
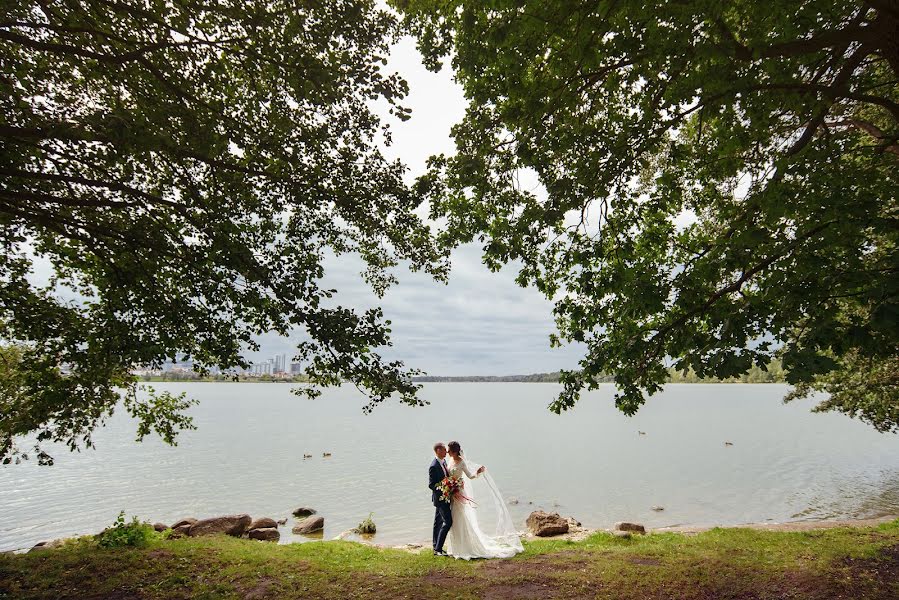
[(592, 463)]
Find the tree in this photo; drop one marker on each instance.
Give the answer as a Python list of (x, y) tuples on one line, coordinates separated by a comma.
[(717, 182), (183, 169)]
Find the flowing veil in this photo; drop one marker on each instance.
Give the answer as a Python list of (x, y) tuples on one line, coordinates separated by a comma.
[(490, 512)]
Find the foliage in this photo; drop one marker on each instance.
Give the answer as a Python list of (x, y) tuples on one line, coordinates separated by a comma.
[(134, 534), (862, 388), (715, 183), (182, 171), (367, 526)]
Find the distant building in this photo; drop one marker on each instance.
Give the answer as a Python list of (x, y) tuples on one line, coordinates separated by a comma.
[(296, 368)]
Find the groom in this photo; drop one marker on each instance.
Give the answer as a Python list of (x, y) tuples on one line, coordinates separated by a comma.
[(443, 517)]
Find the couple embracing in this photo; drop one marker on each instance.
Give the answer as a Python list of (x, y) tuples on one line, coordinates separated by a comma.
[(455, 516)]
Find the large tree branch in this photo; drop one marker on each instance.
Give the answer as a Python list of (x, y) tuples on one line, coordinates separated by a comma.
[(888, 143), (109, 185)]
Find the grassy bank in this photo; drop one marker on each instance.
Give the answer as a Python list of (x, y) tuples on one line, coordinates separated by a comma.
[(852, 562)]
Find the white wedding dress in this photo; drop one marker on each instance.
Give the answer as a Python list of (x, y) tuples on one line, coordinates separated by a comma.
[(466, 540)]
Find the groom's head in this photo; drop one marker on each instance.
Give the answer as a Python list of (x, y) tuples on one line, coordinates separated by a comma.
[(440, 450)]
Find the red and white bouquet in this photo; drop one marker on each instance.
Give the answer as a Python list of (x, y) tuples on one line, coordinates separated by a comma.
[(450, 488)]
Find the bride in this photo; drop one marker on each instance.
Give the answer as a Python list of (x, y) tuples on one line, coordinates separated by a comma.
[(466, 540)]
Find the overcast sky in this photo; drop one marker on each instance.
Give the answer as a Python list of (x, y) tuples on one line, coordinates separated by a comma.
[(481, 323)]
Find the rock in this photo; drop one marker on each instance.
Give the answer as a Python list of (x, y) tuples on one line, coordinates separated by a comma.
[(160, 526), (544, 524), (189, 521), (49, 545), (309, 525), (625, 526), (262, 523), (266, 534), (304, 511), (282, 521), (572, 523), (622, 534), (230, 524), (513, 501), (658, 508)]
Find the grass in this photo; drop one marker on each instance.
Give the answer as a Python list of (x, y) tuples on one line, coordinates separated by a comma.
[(856, 563)]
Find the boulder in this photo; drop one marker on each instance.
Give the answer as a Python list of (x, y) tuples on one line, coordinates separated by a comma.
[(304, 511), (49, 545), (189, 521), (625, 526), (262, 523), (41, 546), (622, 534), (309, 525), (282, 521), (266, 534), (544, 524), (160, 526), (573, 523), (234, 525)]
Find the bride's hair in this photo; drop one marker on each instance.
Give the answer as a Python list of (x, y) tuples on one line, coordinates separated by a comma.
[(454, 447)]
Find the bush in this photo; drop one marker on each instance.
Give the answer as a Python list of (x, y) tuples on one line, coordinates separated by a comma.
[(134, 534), (367, 526)]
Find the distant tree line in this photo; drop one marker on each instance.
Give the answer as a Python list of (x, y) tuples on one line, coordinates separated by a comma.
[(772, 373)]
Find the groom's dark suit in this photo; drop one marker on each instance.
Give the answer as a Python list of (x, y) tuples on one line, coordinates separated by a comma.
[(443, 517)]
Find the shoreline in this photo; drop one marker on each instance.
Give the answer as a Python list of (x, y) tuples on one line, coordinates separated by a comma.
[(860, 561), (577, 534), (581, 533)]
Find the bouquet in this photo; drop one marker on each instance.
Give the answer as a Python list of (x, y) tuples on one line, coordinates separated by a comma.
[(450, 487)]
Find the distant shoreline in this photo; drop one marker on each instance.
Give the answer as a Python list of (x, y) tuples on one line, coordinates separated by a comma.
[(428, 379)]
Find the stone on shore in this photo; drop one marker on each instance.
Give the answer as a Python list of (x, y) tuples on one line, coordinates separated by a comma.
[(309, 525), (187, 521), (160, 526), (304, 511), (262, 523), (282, 521), (622, 534), (47, 545), (625, 526), (543, 524), (266, 534), (234, 525)]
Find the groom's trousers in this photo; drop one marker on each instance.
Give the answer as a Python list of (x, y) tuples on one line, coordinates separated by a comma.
[(443, 520)]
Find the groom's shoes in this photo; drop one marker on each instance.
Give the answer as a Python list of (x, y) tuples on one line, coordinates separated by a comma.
[(440, 553)]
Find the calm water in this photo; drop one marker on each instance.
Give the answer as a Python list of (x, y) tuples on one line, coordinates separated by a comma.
[(247, 456)]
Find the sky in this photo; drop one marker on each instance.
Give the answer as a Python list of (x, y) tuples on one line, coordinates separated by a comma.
[(480, 323)]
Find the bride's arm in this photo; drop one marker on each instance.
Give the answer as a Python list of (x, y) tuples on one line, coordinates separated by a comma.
[(469, 473)]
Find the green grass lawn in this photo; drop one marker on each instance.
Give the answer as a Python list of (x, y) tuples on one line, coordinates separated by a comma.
[(847, 563)]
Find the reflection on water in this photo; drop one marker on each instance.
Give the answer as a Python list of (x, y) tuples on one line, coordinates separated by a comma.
[(247, 456)]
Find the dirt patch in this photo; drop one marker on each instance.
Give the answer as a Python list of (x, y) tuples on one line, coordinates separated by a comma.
[(642, 560), (160, 554), (442, 578), (517, 591), (880, 573), (260, 590)]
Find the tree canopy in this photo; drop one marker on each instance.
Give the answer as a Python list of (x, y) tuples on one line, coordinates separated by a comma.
[(717, 183), (182, 169)]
